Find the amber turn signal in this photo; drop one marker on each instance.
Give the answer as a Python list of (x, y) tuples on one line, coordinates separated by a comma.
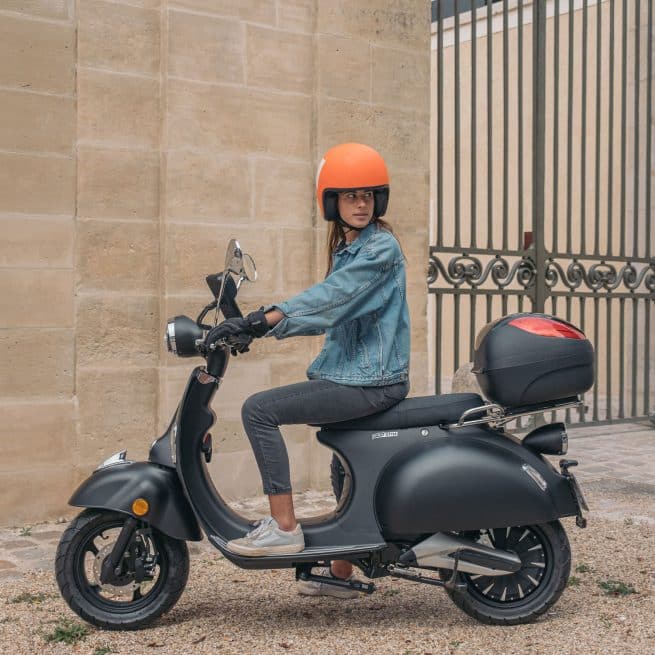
[(140, 507)]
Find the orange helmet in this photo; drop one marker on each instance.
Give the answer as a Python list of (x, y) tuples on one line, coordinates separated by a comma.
[(347, 167)]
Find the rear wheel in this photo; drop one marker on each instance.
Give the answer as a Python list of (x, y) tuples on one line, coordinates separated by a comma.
[(154, 571), (523, 596)]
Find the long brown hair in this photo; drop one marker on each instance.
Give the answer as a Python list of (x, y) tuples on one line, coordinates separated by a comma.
[(336, 235)]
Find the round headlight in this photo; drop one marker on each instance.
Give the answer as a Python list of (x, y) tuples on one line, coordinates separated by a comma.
[(181, 335)]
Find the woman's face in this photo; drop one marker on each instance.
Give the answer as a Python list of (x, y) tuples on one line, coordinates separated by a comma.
[(356, 207)]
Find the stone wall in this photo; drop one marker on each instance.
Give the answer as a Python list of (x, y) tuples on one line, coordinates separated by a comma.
[(136, 138)]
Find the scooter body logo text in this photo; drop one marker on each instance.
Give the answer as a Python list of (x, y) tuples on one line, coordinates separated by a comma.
[(383, 435)]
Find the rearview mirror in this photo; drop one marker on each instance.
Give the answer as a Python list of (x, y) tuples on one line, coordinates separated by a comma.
[(234, 257)]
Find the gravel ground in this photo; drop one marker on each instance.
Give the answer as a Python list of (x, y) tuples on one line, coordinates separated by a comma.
[(228, 610)]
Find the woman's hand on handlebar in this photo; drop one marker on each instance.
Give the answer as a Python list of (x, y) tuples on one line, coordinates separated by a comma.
[(238, 332)]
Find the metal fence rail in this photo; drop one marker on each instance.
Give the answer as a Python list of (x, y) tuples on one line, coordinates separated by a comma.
[(543, 174)]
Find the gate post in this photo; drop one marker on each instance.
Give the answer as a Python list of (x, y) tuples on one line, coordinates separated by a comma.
[(538, 150)]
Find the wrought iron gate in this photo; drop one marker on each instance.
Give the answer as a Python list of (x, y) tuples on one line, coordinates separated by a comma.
[(543, 173)]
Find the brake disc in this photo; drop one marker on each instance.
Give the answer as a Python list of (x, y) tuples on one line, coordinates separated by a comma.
[(123, 591)]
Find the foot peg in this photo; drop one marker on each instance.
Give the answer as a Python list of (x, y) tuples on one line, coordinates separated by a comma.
[(363, 587)]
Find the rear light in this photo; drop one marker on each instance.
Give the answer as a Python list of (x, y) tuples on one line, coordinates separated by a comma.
[(546, 327), (549, 439)]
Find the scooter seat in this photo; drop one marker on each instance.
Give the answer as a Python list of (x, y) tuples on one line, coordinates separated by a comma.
[(414, 412)]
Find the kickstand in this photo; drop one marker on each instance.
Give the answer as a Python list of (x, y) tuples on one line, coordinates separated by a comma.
[(452, 584)]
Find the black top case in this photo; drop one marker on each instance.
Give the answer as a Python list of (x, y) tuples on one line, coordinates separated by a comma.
[(526, 359)]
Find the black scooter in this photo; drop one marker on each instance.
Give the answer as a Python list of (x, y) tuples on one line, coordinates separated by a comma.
[(432, 490)]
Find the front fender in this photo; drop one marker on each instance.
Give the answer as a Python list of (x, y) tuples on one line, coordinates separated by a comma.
[(116, 487)]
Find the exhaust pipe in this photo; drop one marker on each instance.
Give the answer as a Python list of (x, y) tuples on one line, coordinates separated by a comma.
[(442, 551)]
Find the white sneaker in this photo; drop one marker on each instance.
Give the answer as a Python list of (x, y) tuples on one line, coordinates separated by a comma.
[(267, 539), (314, 588)]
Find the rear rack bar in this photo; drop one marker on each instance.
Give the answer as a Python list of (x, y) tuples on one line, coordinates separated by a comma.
[(496, 416)]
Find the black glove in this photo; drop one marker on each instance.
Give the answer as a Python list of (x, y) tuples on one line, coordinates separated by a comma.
[(257, 323), (253, 325)]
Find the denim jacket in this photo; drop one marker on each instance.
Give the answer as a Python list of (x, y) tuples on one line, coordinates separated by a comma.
[(361, 307)]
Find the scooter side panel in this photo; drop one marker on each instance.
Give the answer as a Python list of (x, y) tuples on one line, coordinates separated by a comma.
[(116, 487), (468, 481)]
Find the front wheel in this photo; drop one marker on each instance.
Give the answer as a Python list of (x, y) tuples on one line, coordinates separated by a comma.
[(154, 571), (523, 596)]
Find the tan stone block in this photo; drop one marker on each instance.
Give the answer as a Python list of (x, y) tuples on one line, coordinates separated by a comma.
[(297, 260), (344, 67), (117, 109), (30, 433), (404, 23), (257, 11), (36, 55), (418, 370), (206, 186), (195, 251), (33, 494), (416, 248), (244, 377), (36, 298), (144, 4), (299, 15), (243, 120), (118, 256), (172, 382), (228, 435), (118, 36), (205, 48), (235, 474), (284, 192), (40, 360), (58, 9), (400, 137), (117, 409), (36, 242), (36, 122), (408, 199), (401, 79), (279, 60), (116, 330), (37, 185), (117, 183)]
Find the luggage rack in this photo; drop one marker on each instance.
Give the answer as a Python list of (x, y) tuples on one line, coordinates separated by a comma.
[(497, 416)]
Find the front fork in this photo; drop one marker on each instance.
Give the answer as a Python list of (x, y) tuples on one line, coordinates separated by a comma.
[(111, 571)]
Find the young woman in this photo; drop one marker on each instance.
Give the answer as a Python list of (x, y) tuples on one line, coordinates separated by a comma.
[(361, 308)]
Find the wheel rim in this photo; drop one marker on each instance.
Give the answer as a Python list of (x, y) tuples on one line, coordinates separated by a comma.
[(128, 595), (535, 552)]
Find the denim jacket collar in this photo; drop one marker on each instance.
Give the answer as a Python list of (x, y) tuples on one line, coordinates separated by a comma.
[(354, 246)]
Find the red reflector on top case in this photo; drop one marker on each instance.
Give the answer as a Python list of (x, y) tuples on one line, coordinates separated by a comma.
[(546, 327)]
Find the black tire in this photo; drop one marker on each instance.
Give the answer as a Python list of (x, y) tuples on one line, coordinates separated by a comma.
[(83, 597), (523, 605)]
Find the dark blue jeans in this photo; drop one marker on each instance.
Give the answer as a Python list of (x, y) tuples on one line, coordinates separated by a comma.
[(315, 402)]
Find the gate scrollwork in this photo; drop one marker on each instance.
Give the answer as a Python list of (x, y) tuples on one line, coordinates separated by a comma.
[(467, 270), (601, 276)]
